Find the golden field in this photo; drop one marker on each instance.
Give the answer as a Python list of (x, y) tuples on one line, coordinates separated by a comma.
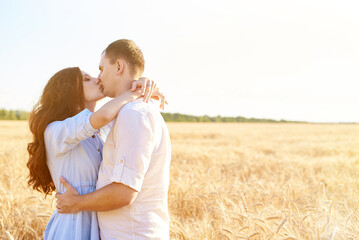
[(228, 181)]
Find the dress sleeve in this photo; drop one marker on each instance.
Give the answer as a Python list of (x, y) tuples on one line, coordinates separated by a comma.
[(62, 136), (133, 136)]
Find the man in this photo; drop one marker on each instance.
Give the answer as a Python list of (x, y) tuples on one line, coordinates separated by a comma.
[(132, 187)]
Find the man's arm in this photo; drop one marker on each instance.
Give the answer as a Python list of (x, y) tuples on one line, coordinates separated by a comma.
[(110, 197), (134, 145)]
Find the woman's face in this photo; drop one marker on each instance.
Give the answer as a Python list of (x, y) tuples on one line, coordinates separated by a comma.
[(92, 90)]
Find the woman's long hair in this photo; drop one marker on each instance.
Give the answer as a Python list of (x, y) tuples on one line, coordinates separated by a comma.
[(61, 98)]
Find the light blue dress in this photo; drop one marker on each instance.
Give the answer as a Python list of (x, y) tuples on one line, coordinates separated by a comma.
[(74, 151)]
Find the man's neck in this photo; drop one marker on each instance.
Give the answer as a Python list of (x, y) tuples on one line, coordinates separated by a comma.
[(128, 80)]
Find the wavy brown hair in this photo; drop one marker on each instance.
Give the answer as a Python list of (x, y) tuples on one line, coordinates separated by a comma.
[(61, 98)]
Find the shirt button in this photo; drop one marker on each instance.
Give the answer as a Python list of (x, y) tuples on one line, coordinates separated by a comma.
[(93, 136), (98, 149)]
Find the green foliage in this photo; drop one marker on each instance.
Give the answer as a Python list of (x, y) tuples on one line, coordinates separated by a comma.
[(169, 117), (176, 117), (13, 114)]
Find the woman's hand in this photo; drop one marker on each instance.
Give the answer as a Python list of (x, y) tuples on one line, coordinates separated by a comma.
[(158, 95), (147, 87), (149, 90)]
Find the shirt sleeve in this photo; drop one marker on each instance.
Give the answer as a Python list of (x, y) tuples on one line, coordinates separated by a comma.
[(105, 130), (134, 146), (62, 136)]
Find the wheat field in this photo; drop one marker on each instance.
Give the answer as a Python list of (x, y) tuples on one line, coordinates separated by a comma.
[(228, 181)]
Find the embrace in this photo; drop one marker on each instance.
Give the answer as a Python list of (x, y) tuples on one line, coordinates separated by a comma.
[(110, 167)]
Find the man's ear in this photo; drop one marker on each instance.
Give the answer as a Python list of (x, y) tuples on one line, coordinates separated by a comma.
[(120, 64)]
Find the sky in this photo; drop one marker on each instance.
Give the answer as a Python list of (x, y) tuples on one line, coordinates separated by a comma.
[(293, 60)]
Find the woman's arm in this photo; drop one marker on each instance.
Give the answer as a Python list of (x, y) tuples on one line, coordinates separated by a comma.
[(142, 87), (62, 136), (110, 110)]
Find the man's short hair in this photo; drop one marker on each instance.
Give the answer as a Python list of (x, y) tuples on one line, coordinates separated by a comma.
[(128, 51)]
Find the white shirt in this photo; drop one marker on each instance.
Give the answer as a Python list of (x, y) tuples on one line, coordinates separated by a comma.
[(137, 153)]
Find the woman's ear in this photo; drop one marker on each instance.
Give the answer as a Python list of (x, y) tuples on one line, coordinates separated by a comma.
[(120, 64)]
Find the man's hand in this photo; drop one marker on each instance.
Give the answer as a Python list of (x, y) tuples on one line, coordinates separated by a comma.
[(67, 202)]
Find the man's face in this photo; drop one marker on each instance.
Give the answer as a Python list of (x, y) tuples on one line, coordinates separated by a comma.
[(107, 76)]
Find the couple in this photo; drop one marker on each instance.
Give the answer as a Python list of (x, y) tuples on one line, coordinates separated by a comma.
[(115, 189)]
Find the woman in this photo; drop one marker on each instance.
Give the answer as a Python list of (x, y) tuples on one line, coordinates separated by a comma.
[(66, 143)]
